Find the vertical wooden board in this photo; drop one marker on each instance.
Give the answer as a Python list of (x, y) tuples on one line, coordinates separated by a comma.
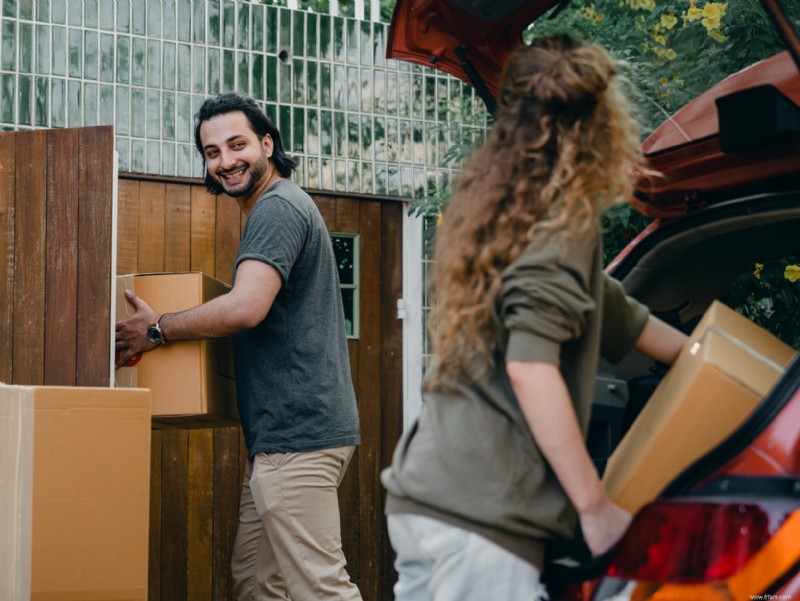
[(327, 208), (204, 227), (95, 223), (369, 366), (156, 492), (128, 227), (200, 514), (61, 277), (347, 215), (174, 513), (177, 239), (228, 235), (30, 266), (8, 142), (391, 363), (349, 491), (227, 485), (152, 225)]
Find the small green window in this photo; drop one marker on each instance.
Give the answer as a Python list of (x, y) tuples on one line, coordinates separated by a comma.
[(345, 249)]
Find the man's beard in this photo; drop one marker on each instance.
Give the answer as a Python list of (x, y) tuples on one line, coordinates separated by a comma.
[(255, 171)]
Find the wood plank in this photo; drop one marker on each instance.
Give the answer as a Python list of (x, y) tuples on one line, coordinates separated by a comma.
[(174, 514), (8, 170), (177, 246), (327, 208), (349, 491), (61, 277), (152, 224), (227, 487), (200, 514), (29, 270), (156, 493), (95, 225), (128, 227), (391, 365), (228, 236), (347, 215), (369, 362), (204, 225)]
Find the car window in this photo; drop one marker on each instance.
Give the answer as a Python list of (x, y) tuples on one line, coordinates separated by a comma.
[(768, 293), (674, 49)]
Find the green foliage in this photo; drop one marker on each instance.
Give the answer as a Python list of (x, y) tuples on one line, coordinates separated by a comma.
[(621, 224), (770, 296)]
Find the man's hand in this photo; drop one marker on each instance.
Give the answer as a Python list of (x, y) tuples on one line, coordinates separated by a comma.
[(131, 333)]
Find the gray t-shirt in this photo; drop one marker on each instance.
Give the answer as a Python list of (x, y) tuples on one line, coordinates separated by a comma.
[(294, 388)]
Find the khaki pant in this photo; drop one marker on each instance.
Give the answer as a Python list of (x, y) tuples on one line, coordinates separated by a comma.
[(289, 542)]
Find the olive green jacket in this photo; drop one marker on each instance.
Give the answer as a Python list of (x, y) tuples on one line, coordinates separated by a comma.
[(470, 458)]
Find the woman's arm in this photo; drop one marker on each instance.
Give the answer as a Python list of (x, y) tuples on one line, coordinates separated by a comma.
[(548, 410), (660, 340)]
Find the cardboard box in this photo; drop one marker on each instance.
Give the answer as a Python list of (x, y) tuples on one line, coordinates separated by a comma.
[(727, 366), (186, 377), (90, 453), (16, 492)]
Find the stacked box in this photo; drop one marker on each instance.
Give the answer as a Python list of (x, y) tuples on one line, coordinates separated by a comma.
[(727, 366), (186, 377), (89, 449)]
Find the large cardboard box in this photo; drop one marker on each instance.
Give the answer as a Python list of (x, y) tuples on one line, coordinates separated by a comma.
[(186, 377), (16, 492), (89, 449), (727, 366)]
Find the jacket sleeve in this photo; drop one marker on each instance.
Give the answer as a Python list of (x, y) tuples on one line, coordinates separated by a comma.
[(545, 301), (623, 320)]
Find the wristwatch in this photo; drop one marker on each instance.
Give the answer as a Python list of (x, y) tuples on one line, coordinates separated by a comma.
[(154, 333)]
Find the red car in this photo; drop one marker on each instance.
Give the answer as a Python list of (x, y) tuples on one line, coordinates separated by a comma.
[(728, 527)]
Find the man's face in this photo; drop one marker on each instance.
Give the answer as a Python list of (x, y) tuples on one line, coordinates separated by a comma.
[(235, 158)]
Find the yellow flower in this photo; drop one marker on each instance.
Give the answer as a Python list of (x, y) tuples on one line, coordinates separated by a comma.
[(670, 54), (439, 219), (641, 4), (658, 51), (597, 18), (692, 13), (792, 273), (712, 15), (660, 39), (669, 21), (717, 36), (757, 271), (663, 81)]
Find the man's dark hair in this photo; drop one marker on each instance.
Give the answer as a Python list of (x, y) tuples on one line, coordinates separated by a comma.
[(259, 123)]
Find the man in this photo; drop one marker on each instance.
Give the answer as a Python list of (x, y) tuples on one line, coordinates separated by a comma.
[(294, 392)]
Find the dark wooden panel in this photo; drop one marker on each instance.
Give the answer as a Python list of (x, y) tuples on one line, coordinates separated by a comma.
[(152, 222), (174, 514), (128, 227), (200, 514), (177, 239), (369, 362), (327, 208), (8, 172), (349, 492), (95, 225), (347, 212), (228, 235), (204, 219), (156, 493), (29, 274), (391, 364), (227, 487), (61, 276)]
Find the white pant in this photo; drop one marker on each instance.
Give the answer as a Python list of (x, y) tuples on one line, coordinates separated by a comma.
[(440, 562)]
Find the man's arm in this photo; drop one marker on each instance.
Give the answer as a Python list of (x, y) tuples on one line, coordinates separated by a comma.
[(244, 307), (546, 405)]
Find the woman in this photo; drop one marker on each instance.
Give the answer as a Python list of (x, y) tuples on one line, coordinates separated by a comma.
[(496, 464)]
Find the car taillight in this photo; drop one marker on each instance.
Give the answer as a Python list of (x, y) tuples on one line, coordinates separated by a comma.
[(691, 542)]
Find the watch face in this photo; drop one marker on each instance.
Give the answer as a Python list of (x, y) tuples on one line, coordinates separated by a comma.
[(155, 335)]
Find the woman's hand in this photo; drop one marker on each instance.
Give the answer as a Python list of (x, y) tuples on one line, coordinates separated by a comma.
[(604, 526)]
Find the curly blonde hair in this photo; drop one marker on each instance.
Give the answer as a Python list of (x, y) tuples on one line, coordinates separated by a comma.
[(564, 146)]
